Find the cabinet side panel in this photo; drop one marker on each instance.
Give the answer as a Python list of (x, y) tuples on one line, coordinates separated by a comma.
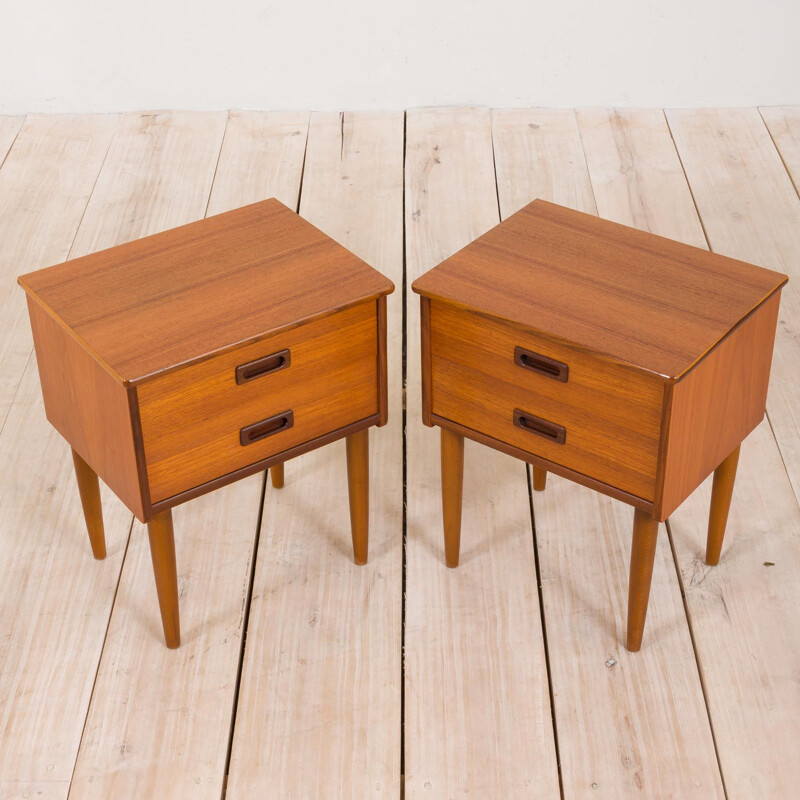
[(383, 368), (717, 405), (87, 407)]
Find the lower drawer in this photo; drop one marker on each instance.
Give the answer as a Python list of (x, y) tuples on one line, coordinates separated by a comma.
[(199, 423), (590, 415)]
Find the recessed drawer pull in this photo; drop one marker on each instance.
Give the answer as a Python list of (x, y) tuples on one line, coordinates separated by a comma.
[(548, 367), (541, 427), (262, 366), (267, 427)]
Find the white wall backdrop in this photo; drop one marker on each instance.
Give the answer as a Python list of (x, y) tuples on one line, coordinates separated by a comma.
[(106, 55)]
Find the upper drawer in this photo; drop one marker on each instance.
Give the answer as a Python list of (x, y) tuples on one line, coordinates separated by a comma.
[(608, 415), (192, 419)]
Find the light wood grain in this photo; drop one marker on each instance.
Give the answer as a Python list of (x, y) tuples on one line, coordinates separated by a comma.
[(138, 197), (42, 790), (319, 707), (744, 611), (744, 618), (544, 143), (45, 184), (629, 725), (54, 597), (783, 123), (636, 178), (477, 707), (9, 128), (159, 720), (262, 156)]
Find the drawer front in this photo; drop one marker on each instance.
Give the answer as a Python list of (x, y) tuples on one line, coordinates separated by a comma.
[(235, 409), (587, 414)]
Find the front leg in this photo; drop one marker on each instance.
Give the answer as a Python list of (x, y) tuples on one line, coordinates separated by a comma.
[(162, 552), (452, 493), (358, 489), (643, 553)]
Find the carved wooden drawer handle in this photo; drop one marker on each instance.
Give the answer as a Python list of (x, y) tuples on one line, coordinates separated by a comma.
[(548, 367), (263, 366), (266, 427), (541, 427)]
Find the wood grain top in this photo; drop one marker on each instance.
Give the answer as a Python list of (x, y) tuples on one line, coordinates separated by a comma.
[(168, 300), (632, 296)]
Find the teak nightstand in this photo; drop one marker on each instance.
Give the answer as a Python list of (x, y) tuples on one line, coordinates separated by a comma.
[(626, 362), (178, 363)]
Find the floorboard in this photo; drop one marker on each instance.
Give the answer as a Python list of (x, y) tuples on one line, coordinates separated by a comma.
[(9, 128), (262, 156), (783, 123), (290, 681), (159, 720), (647, 708), (742, 611), (319, 709), (477, 705), (48, 619)]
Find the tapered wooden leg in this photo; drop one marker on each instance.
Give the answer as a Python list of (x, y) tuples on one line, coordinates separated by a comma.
[(276, 475), (162, 551), (89, 489), (721, 493), (539, 479), (643, 553), (452, 493), (358, 489)]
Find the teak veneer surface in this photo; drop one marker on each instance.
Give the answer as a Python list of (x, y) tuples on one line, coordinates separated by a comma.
[(716, 406), (611, 413), (87, 407), (191, 418), (245, 274), (642, 300)]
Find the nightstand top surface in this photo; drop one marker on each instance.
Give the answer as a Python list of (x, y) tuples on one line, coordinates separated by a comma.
[(180, 296), (637, 298)]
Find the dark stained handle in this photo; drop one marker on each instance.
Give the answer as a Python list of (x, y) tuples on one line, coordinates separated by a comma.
[(541, 427), (548, 367), (267, 427), (262, 366)]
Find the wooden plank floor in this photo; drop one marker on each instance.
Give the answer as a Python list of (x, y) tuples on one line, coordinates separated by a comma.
[(302, 675)]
